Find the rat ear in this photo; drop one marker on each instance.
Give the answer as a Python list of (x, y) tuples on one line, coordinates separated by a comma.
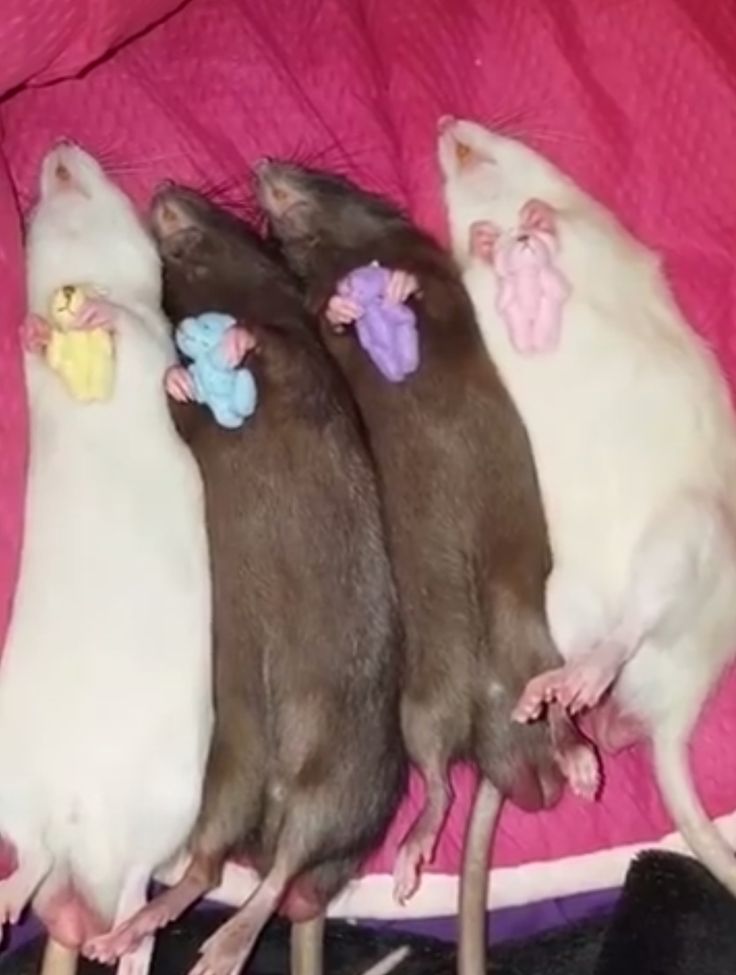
[(180, 245)]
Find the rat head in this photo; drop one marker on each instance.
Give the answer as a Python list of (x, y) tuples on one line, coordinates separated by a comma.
[(207, 252), (198, 336), (487, 176), (312, 212), (85, 229)]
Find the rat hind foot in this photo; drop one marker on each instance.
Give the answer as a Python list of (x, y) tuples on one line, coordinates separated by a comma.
[(575, 756), (18, 889), (540, 691), (580, 684), (413, 855), (227, 950)]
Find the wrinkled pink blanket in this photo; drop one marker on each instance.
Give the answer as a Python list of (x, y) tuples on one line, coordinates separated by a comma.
[(636, 100)]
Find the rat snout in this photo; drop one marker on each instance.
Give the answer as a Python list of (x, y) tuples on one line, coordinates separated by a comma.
[(60, 169), (445, 123), (261, 166)]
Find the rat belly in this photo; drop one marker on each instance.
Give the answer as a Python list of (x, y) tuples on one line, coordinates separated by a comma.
[(105, 707), (623, 430)]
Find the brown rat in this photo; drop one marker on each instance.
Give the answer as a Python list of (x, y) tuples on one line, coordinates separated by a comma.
[(307, 763), (467, 532)]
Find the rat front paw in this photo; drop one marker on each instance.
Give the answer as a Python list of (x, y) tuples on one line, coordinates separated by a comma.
[(236, 344), (95, 313), (483, 239), (537, 216), (35, 333), (341, 311), (401, 285), (178, 384)]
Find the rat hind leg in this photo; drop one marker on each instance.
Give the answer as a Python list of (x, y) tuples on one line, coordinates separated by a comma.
[(308, 826), (673, 568), (575, 756), (231, 807), (427, 743), (34, 864)]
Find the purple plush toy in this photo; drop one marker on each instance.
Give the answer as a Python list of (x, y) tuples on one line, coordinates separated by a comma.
[(386, 330)]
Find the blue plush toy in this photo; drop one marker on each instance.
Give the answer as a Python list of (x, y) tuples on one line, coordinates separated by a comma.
[(229, 392)]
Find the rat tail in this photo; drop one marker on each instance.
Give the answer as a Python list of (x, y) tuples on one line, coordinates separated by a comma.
[(676, 784), (474, 879)]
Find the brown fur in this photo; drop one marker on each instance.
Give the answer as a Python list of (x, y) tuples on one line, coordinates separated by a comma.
[(306, 756), (467, 533)]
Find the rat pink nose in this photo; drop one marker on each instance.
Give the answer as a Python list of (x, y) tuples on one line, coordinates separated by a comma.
[(260, 165), (63, 142), (165, 184), (445, 122)]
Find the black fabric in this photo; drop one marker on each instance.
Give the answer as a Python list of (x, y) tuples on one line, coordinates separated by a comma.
[(672, 917)]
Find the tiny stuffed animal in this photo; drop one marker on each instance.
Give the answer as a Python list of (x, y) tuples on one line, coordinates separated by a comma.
[(78, 343), (229, 392), (387, 330), (532, 291)]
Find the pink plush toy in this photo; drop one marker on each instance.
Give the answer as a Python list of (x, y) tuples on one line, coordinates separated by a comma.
[(532, 290)]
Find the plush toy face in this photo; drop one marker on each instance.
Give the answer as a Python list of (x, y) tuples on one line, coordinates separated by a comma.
[(65, 305), (197, 336), (368, 283), (527, 251)]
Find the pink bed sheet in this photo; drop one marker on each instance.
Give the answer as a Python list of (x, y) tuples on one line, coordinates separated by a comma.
[(636, 100)]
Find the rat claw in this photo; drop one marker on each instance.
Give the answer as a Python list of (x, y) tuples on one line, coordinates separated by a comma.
[(95, 313), (35, 333), (341, 311), (178, 384), (236, 344), (483, 238), (401, 285)]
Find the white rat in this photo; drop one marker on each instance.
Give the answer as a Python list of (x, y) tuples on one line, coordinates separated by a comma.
[(635, 443), (105, 686)]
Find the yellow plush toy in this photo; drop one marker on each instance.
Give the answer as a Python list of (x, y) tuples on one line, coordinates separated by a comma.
[(80, 345)]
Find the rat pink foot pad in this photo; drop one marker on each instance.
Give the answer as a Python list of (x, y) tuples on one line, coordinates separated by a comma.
[(178, 384), (96, 313), (483, 238), (341, 310), (127, 937), (401, 286), (35, 333), (236, 344), (581, 768), (580, 684), (414, 854)]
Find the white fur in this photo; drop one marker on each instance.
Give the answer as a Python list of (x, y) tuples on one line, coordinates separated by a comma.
[(635, 444), (105, 687)]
